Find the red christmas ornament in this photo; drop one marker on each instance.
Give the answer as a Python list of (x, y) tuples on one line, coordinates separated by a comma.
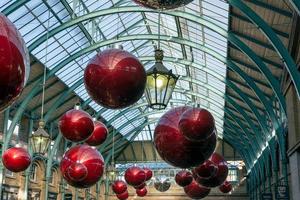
[(196, 191), (221, 174), (123, 196), (99, 134), (76, 125), (206, 170), (115, 79), (16, 159), (135, 176), (184, 178), (197, 124), (141, 192), (119, 187), (148, 173), (174, 148), (14, 63), (140, 186), (162, 4), (226, 187), (76, 160)]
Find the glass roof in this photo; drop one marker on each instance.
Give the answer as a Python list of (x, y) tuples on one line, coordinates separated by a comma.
[(35, 17)]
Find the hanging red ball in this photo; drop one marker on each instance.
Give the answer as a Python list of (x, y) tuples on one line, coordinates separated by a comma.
[(16, 159), (148, 173), (140, 186), (207, 170), (142, 192), (196, 124), (77, 157), (135, 176), (174, 148), (196, 191), (115, 79), (123, 196), (226, 187), (162, 4), (14, 63), (76, 125), (99, 134), (184, 178), (119, 187), (221, 174)]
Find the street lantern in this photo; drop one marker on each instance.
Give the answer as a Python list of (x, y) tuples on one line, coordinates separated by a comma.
[(40, 139)]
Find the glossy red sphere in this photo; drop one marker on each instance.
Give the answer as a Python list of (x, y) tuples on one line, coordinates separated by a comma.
[(174, 148), (115, 79), (119, 187), (196, 191), (142, 192), (77, 172), (135, 176), (184, 178), (221, 174), (140, 186), (226, 187), (14, 63), (207, 170), (76, 125), (196, 124), (123, 196), (16, 159), (82, 155), (99, 134), (162, 4), (148, 173)]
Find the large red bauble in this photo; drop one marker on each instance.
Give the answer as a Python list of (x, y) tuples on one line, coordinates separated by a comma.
[(226, 187), (142, 192), (119, 187), (115, 79), (184, 178), (162, 4), (16, 159), (14, 63), (174, 148), (140, 186), (123, 196), (99, 134), (221, 174), (148, 173), (206, 170), (82, 155), (196, 191), (135, 176), (76, 125), (196, 124)]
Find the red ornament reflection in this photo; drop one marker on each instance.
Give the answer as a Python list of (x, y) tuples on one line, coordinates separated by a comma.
[(123, 196), (174, 148), (196, 124), (16, 159), (82, 155), (196, 191), (135, 176), (184, 178), (77, 172), (221, 174), (99, 134), (148, 173), (142, 192), (76, 125), (226, 187), (14, 63), (140, 186), (115, 79), (206, 170), (119, 187)]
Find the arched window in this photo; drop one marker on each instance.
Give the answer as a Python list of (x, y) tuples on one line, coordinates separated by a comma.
[(33, 172), (52, 180)]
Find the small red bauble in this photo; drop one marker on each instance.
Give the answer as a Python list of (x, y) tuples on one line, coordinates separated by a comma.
[(148, 173), (76, 125), (16, 159), (135, 176), (141, 192), (123, 196), (119, 187), (206, 170), (196, 191), (82, 155), (162, 4), (196, 124), (184, 178), (140, 186), (174, 148), (115, 79), (99, 134), (226, 187), (14, 63)]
